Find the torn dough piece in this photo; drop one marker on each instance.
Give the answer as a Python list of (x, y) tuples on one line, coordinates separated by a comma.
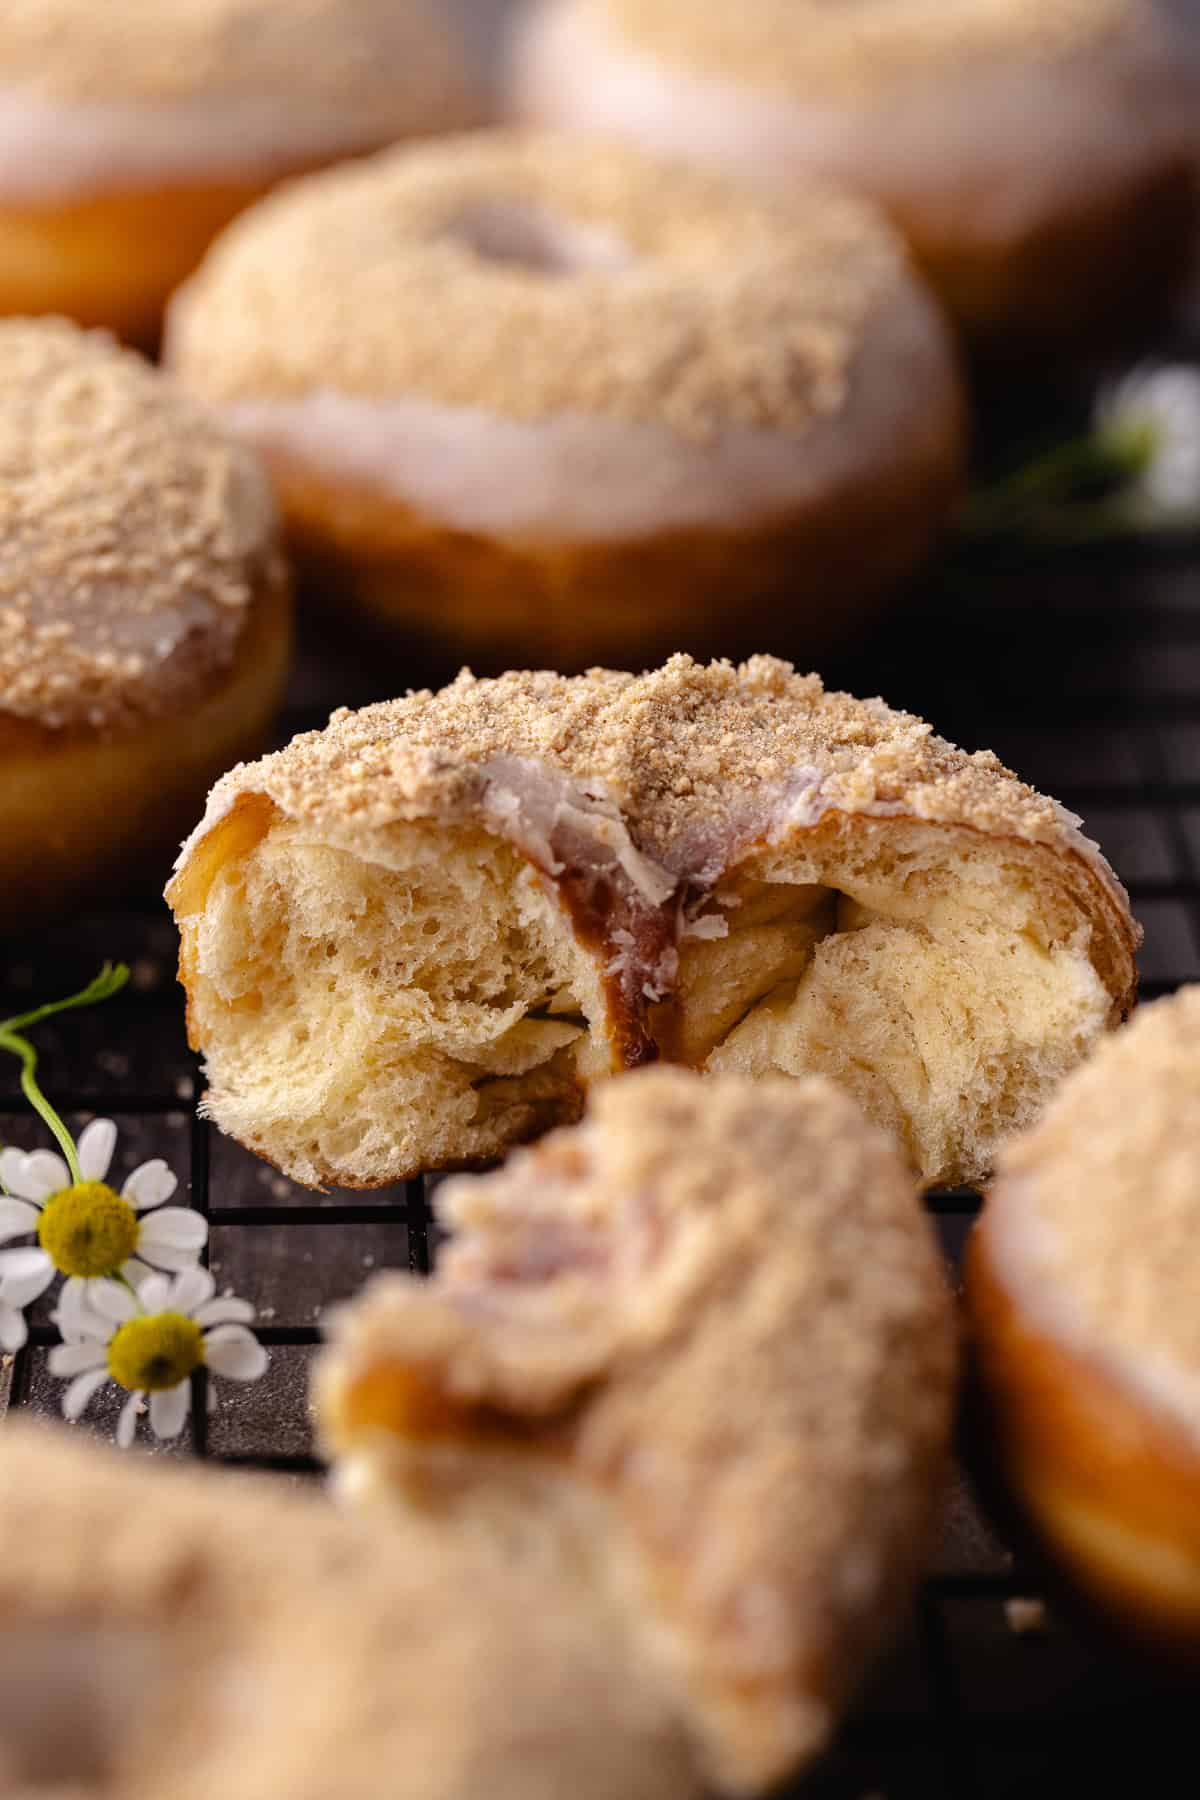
[(605, 1297), (416, 937)]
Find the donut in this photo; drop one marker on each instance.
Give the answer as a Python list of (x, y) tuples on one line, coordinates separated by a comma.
[(555, 402), (549, 1478), (144, 617), (131, 133), (1082, 1287), (415, 937), (1038, 155), (603, 1297), (168, 1630)]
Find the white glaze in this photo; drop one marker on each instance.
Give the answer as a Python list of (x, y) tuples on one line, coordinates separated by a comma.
[(950, 148), (589, 478)]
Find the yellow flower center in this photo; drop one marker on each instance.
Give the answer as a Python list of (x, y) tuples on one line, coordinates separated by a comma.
[(88, 1230), (155, 1352)]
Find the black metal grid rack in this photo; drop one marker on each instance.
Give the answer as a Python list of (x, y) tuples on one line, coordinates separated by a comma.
[(1084, 673)]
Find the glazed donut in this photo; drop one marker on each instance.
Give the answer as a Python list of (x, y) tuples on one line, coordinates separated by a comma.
[(552, 401), (603, 1297), (1082, 1291), (558, 1486), (1038, 155), (144, 616), (414, 938), (131, 133)]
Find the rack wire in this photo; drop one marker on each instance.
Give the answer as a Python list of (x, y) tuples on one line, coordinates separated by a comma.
[(1084, 674)]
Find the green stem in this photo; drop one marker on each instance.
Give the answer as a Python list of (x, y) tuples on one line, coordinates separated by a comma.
[(33, 1093), (109, 981)]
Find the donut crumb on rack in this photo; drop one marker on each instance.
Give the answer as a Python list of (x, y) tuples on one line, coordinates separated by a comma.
[(784, 45), (131, 533), (715, 310)]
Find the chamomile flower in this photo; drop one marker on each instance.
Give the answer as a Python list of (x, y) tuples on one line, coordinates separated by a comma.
[(150, 1342), (85, 1229), (1150, 419)]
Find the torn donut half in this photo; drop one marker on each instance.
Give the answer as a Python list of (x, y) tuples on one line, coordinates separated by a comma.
[(418, 936), (709, 1324)]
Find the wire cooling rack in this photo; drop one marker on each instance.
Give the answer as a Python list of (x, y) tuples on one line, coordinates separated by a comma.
[(1083, 672)]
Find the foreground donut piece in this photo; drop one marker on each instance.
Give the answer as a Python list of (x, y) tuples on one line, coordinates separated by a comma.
[(414, 938), (592, 1574), (144, 616), (555, 402), (605, 1296), (1038, 155), (1082, 1289), (130, 134)]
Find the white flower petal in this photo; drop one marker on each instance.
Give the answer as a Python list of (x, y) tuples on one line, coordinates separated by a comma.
[(81, 1390), (225, 1312), (75, 1316), (235, 1353), (135, 1272), (127, 1423), (16, 1218), (166, 1256), (13, 1330), (24, 1275), (95, 1147), (12, 1161), (149, 1185), (112, 1301), (37, 1176), (169, 1409), (153, 1292), (176, 1228), (190, 1290), (74, 1359)]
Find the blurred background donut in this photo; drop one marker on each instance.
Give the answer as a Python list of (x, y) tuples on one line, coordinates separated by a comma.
[(1039, 155), (132, 131), (539, 399)]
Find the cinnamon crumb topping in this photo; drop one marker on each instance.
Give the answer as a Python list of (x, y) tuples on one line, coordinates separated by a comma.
[(1109, 1180), (394, 66), (132, 533), (534, 276), (828, 47), (693, 755)]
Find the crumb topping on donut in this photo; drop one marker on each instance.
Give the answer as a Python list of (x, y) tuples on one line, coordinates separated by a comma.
[(392, 65), (133, 535), (537, 277), (1101, 1200), (854, 46), (697, 758)]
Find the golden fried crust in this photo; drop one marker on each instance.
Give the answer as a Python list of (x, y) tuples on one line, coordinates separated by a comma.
[(1082, 1296), (604, 1297)]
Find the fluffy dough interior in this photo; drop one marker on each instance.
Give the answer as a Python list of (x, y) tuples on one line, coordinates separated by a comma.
[(415, 996), (419, 999)]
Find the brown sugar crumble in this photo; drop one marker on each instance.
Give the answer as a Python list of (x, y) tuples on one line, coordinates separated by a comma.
[(821, 47), (383, 65), (133, 535), (692, 754), (710, 310)]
